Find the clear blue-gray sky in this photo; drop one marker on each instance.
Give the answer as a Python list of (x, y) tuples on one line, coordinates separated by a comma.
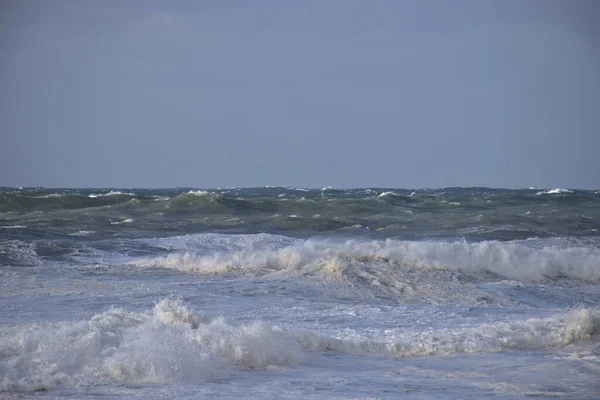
[(310, 93)]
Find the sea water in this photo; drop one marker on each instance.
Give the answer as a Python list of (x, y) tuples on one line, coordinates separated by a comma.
[(287, 293)]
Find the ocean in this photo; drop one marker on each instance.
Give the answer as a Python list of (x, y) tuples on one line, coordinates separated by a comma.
[(289, 293)]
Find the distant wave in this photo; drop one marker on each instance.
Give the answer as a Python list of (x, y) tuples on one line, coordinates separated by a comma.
[(111, 193), (51, 195), (124, 221), (385, 212), (255, 199), (200, 193), (555, 191)]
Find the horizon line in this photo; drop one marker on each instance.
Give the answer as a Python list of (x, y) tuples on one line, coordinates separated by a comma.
[(288, 187)]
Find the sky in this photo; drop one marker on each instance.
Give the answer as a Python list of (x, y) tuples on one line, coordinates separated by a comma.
[(311, 93)]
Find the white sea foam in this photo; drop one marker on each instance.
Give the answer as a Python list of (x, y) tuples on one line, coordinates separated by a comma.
[(534, 333), (111, 193), (82, 233), (172, 344), (16, 252), (524, 260), (13, 227), (555, 191), (51, 195), (125, 221), (213, 243), (169, 344), (199, 193)]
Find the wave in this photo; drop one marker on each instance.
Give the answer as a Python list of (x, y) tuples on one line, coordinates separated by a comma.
[(534, 333), (214, 243), (124, 221), (18, 253), (522, 260), (111, 193), (200, 193), (448, 213), (51, 195), (169, 344), (82, 233), (555, 191), (172, 343), (69, 200)]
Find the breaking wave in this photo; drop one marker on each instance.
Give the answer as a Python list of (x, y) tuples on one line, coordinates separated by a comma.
[(18, 253), (555, 191), (169, 344), (384, 260), (172, 343), (111, 193)]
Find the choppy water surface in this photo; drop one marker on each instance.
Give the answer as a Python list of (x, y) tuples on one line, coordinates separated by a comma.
[(295, 293)]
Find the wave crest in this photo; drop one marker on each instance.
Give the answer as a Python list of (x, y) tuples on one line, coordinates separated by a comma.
[(555, 191), (169, 344), (534, 333), (172, 343), (514, 260)]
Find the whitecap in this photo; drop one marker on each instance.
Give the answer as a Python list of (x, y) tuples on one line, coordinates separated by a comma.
[(555, 191), (82, 233), (174, 344), (51, 195), (514, 260), (199, 193), (535, 333), (125, 221), (111, 193), (169, 344)]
